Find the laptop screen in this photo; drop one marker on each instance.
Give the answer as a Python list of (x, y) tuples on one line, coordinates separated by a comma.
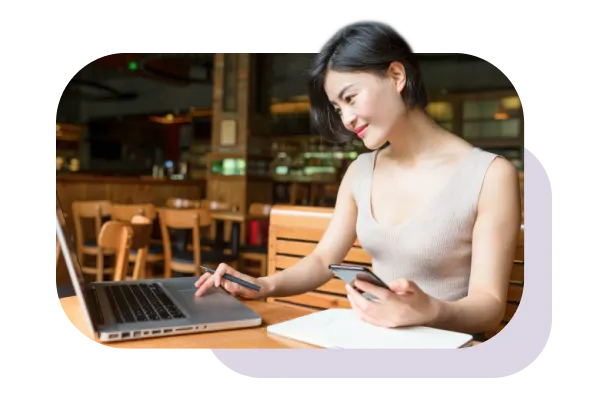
[(67, 246)]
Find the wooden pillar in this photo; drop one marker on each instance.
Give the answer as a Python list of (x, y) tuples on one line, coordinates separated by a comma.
[(238, 166)]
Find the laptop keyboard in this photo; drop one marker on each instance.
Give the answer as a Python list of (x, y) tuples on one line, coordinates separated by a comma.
[(141, 302)]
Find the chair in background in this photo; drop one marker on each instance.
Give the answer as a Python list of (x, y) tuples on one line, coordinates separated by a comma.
[(142, 233), (115, 237), (257, 218), (177, 256), (87, 239), (125, 213)]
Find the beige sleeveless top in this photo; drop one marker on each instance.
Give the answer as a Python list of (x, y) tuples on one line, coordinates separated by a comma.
[(433, 246)]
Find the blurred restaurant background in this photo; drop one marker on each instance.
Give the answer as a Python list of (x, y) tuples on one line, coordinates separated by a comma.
[(230, 134)]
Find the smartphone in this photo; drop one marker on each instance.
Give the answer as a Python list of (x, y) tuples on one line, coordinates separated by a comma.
[(349, 274)]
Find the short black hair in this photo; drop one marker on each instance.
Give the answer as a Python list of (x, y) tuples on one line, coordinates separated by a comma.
[(360, 47)]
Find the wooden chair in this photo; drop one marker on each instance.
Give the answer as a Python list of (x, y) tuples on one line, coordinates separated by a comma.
[(116, 237), (294, 232), (257, 253), (139, 249), (86, 241), (125, 213), (208, 232), (177, 256)]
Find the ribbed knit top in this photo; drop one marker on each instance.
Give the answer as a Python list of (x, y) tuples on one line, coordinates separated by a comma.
[(433, 246)]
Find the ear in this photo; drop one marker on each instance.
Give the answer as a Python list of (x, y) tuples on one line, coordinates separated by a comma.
[(397, 72)]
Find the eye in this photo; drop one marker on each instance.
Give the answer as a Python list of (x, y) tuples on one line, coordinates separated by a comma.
[(349, 98)]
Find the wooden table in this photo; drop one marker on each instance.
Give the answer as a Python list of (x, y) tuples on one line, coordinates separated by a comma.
[(246, 338), (253, 338), (237, 220), (236, 216)]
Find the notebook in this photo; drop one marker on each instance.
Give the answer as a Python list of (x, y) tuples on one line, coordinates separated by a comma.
[(342, 329)]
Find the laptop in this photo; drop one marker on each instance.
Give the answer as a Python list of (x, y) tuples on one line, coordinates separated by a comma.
[(140, 309)]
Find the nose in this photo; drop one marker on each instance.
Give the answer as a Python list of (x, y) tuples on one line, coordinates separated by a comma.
[(348, 119)]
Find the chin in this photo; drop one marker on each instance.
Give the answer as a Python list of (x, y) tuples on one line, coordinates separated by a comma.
[(373, 143)]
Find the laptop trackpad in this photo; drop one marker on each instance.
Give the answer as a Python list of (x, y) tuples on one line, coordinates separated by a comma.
[(212, 297)]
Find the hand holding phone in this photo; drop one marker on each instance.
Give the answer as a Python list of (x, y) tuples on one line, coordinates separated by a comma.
[(349, 274)]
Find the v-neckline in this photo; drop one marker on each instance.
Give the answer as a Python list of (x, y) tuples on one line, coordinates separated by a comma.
[(428, 204)]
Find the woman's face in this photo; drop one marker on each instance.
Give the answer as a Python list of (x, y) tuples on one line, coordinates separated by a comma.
[(368, 104)]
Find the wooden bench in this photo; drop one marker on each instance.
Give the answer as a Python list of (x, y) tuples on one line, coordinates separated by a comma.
[(294, 232)]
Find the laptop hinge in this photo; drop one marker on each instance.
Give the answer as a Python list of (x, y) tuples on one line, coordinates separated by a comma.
[(95, 309)]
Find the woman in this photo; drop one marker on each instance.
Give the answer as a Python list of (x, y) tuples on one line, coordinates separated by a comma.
[(439, 218)]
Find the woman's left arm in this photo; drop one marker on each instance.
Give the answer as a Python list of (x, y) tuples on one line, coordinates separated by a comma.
[(495, 236)]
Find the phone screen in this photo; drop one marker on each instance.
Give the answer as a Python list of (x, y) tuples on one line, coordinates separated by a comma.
[(349, 274), (371, 278)]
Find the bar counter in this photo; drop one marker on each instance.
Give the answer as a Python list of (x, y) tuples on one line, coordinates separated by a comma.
[(125, 190)]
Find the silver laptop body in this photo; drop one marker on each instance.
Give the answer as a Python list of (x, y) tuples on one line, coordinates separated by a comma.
[(116, 311)]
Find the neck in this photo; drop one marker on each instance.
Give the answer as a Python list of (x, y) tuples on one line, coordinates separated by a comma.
[(414, 137)]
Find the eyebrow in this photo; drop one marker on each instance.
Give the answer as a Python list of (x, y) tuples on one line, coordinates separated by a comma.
[(341, 95)]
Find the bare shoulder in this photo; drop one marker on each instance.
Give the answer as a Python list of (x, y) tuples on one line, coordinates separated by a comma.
[(361, 163), (501, 172), (500, 185)]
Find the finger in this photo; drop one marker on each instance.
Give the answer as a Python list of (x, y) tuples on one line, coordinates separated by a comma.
[(363, 316), (202, 279), (233, 272), (352, 292), (404, 287), (221, 270), (377, 291), (359, 300), (205, 286), (352, 304), (232, 287)]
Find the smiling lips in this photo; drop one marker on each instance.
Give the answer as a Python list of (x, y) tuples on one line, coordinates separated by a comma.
[(360, 131)]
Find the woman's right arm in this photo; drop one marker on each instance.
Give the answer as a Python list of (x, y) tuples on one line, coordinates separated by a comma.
[(312, 271)]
